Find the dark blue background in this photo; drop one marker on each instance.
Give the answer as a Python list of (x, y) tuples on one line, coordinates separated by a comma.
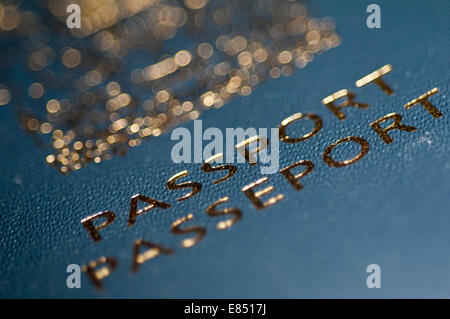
[(391, 208)]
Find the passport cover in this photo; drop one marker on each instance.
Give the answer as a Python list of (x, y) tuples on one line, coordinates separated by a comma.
[(391, 208)]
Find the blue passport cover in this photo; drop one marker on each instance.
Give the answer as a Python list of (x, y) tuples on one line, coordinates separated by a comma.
[(391, 208)]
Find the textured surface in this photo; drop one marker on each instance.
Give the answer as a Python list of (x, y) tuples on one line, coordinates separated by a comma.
[(391, 208)]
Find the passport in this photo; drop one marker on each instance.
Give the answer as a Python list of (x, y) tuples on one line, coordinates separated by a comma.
[(390, 208)]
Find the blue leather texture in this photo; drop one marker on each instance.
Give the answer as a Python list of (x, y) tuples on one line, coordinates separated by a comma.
[(391, 208)]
